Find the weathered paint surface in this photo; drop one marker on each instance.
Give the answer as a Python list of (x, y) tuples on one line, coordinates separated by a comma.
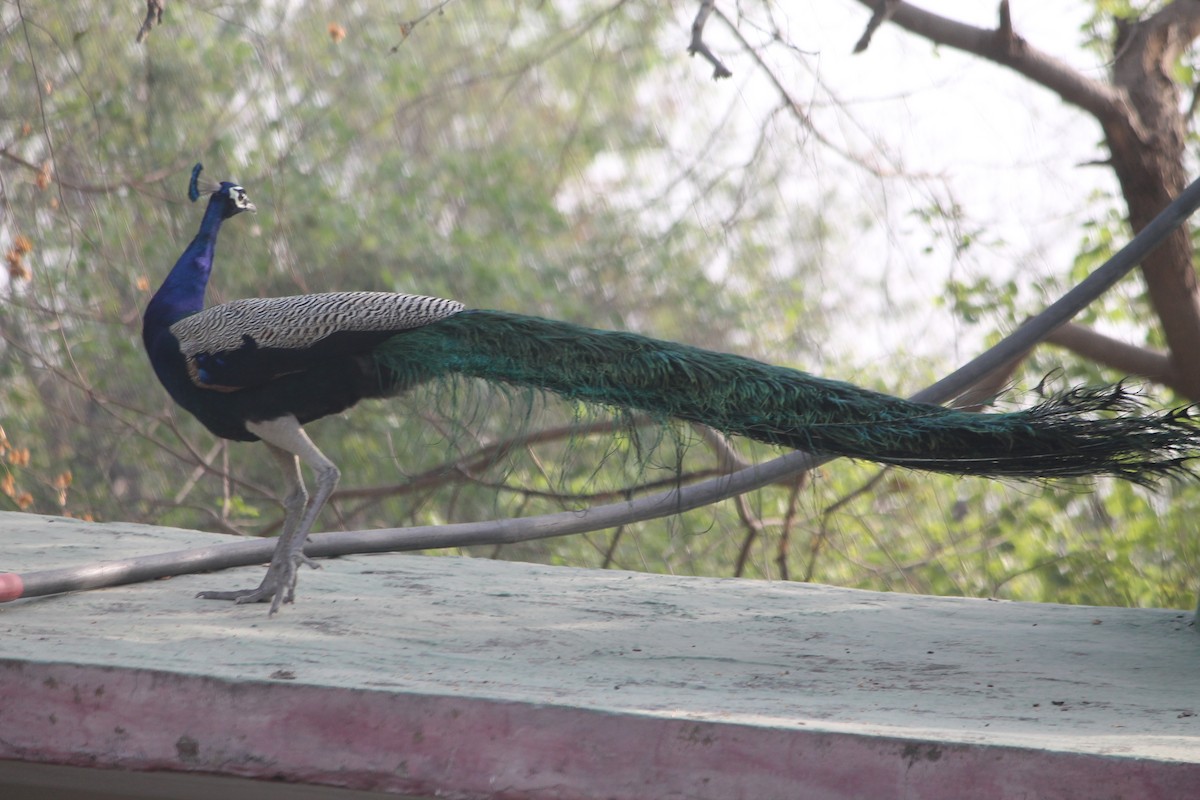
[(471, 678)]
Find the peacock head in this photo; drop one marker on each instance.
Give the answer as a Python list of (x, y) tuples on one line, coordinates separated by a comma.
[(231, 196), (235, 198)]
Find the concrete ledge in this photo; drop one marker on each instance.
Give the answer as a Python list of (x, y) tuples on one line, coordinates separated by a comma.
[(471, 678)]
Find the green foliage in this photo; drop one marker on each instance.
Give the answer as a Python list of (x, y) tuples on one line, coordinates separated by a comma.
[(451, 159), (1112, 544), (1098, 28)]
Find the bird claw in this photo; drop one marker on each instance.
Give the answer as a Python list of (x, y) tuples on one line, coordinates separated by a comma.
[(267, 591), (277, 587)]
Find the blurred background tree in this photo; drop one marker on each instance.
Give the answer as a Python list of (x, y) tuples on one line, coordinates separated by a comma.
[(561, 159)]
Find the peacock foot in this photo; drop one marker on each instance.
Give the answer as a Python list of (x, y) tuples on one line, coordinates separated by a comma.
[(278, 585)]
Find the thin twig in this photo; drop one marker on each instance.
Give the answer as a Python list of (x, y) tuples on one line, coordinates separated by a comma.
[(753, 529), (407, 27), (789, 522), (154, 176), (817, 543)]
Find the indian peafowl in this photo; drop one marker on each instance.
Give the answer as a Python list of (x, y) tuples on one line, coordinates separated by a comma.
[(260, 369)]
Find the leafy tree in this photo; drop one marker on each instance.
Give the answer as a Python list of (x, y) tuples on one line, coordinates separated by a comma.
[(516, 160)]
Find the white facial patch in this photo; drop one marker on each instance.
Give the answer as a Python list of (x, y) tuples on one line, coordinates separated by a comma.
[(240, 198)]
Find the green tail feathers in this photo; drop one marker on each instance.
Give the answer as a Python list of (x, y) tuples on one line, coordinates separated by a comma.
[(1084, 432)]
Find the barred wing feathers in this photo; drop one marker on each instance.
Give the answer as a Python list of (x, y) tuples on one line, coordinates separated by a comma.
[(250, 342)]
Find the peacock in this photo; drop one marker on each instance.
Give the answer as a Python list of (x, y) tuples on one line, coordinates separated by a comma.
[(261, 369)]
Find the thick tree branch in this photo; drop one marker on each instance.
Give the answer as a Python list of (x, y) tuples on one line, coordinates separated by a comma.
[(1128, 359), (1003, 46)]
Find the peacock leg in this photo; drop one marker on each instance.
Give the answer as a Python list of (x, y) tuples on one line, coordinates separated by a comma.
[(297, 497), (290, 445)]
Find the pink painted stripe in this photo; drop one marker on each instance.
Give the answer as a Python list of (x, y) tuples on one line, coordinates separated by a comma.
[(479, 749), (11, 586)]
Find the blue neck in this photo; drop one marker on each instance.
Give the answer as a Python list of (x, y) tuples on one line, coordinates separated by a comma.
[(182, 293)]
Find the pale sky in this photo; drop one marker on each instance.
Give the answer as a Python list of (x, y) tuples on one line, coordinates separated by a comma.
[(1008, 152)]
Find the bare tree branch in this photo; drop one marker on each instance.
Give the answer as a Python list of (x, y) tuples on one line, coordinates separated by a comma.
[(1128, 359), (793, 106), (728, 459), (883, 12), (699, 47), (1003, 46), (146, 179), (1006, 26), (154, 15)]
